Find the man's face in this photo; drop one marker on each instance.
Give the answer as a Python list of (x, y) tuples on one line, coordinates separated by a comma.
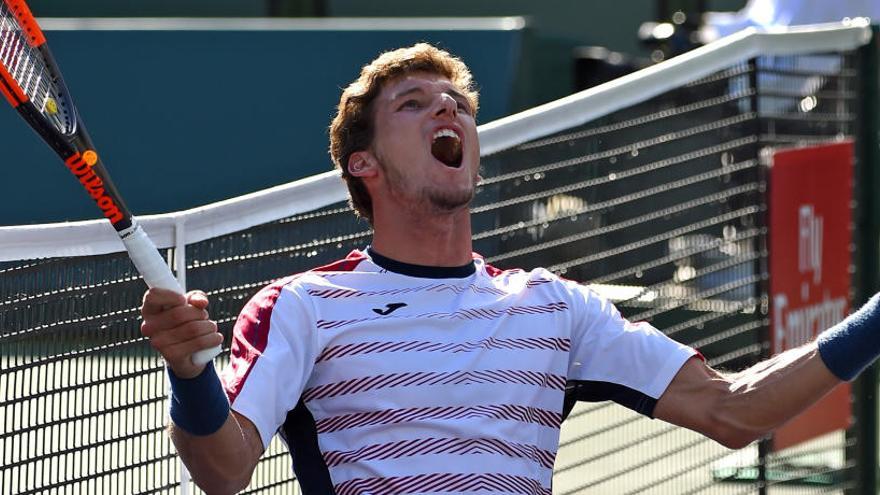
[(426, 144)]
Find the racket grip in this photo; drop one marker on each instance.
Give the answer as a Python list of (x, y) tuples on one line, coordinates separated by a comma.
[(154, 269), (148, 261), (205, 356)]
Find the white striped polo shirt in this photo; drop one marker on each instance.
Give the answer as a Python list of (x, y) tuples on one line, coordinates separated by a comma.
[(384, 377)]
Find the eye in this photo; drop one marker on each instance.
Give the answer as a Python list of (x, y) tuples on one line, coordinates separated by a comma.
[(463, 107), (410, 104)]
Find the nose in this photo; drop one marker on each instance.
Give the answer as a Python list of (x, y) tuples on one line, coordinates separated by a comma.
[(446, 105)]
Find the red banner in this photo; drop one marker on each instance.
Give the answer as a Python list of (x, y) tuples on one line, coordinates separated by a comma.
[(810, 238)]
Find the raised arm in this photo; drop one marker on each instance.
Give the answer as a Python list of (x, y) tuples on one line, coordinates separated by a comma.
[(736, 409), (219, 448)]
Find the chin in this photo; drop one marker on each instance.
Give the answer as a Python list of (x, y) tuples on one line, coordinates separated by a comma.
[(451, 201)]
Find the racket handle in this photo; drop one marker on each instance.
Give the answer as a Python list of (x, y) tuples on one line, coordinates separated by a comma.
[(147, 259), (205, 356), (154, 269)]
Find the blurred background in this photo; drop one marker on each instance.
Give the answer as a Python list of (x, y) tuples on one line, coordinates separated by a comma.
[(181, 111), (660, 203)]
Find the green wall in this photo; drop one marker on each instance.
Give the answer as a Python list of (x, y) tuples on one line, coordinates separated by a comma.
[(556, 28), (184, 118), (148, 8), (200, 135)]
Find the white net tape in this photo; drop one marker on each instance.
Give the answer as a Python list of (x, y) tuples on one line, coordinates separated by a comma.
[(96, 237)]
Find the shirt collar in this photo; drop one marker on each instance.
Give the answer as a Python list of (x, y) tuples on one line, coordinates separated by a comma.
[(421, 271)]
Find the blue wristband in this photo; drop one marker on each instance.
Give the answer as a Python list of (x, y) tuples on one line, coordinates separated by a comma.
[(198, 405), (853, 344)]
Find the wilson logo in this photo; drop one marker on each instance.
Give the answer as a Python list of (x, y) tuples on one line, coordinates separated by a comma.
[(93, 184)]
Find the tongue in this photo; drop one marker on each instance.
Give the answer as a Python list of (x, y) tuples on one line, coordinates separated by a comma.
[(447, 150)]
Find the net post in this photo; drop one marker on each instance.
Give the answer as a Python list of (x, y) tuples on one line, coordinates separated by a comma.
[(180, 250), (867, 279), (761, 264), (180, 271)]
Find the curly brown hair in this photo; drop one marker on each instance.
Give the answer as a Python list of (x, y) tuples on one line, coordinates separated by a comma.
[(352, 128)]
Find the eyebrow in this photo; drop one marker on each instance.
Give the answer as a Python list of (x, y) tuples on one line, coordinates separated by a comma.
[(417, 89)]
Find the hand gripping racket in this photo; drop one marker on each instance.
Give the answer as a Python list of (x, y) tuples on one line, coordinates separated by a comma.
[(31, 82)]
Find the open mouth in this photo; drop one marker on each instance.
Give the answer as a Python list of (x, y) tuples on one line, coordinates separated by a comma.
[(446, 148)]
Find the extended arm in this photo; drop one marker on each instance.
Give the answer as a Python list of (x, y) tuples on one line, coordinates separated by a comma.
[(220, 448), (739, 408), (736, 409)]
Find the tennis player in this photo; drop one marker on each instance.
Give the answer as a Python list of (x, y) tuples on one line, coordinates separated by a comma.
[(412, 366)]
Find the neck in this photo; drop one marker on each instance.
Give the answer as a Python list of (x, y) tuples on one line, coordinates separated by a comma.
[(438, 240)]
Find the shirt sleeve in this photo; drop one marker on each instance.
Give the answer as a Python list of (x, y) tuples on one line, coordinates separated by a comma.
[(273, 351), (634, 362)]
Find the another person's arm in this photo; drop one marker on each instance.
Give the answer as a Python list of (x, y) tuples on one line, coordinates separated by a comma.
[(736, 409), (220, 448)]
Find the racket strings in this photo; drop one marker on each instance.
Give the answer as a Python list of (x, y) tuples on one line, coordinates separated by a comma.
[(17, 55), (25, 64)]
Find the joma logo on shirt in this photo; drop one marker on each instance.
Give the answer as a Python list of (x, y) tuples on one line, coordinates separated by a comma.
[(389, 308)]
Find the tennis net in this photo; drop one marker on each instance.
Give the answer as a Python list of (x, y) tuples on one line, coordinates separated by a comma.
[(650, 188)]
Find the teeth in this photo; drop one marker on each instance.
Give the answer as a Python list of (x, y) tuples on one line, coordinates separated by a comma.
[(446, 147), (446, 133)]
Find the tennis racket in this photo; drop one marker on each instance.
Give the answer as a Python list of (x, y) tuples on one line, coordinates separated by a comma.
[(31, 81)]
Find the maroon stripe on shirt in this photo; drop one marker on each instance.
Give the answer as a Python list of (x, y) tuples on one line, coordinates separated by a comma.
[(540, 343), (462, 314), (443, 483), (435, 446), (345, 265), (509, 412), (250, 336), (251, 333), (425, 378)]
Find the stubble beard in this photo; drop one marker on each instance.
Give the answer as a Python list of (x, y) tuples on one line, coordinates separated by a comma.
[(448, 201), (436, 200)]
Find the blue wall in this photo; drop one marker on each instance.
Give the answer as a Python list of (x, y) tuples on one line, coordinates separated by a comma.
[(184, 118)]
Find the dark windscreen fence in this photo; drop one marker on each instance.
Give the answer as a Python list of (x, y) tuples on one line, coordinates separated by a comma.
[(83, 397), (660, 207)]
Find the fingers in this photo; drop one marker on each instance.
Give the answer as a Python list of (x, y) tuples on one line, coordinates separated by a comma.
[(197, 298), (178, 346), (178, 326), (188, 331), (178, 357), (156, 300), (171, 318)]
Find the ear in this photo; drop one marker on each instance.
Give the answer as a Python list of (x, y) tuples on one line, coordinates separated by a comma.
[(363, 164)]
